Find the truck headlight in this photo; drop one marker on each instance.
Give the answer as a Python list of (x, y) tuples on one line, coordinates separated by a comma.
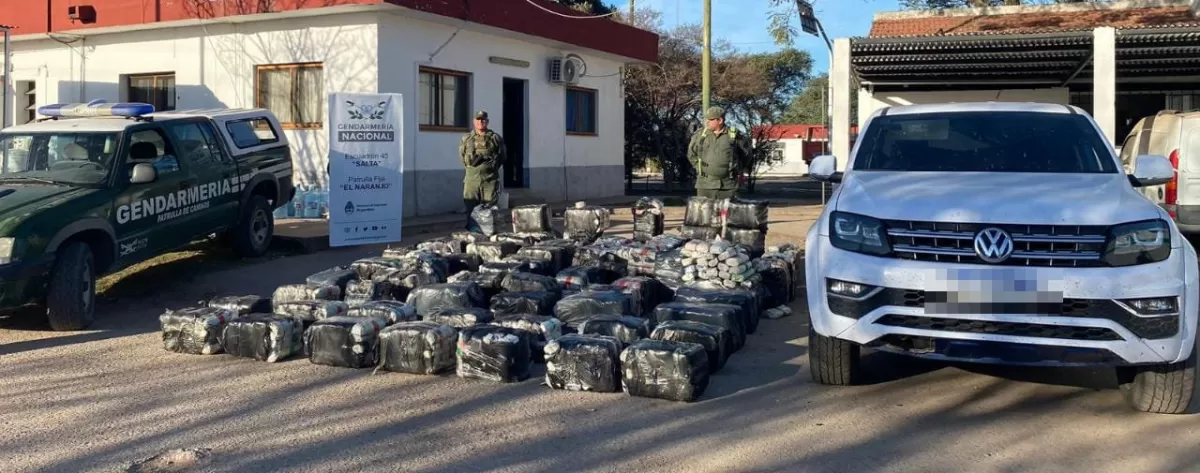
[(7, 245), (1138, 243), (858, 233)]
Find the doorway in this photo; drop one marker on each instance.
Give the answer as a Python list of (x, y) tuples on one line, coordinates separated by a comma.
[(514, 131)]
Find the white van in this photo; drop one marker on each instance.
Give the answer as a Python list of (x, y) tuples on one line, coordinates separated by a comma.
[(1175, 135)]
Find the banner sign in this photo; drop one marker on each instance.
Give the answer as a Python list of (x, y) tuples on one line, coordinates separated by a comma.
[(366, 168)]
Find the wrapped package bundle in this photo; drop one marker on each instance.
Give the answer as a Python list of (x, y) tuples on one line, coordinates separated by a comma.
[(625, 328), (533, 218), (433, 264), (717, 341), (263, 337), (489, 283), (747, 302), (648, 218), (361, 292), (676, 371), (703, 212), (518, 281), (584, 363), (532, 266), (418, 348), (404, 281), (525, 238), (537, 303), (585, 224), (559, 257), (347, 342), (644, 294), (777, 312), (493, 353), (427, 299), (777, 283), (753, 239), (501, 267), (579, 277), (540, 328), (485, 219), (605, 259), (312, 311), (721, 315), (669, 268), (746, 213), (368, 268), (459, 262), (461, 317), (336, 276), (304, 292), (397, 252), (491, 251), (195, 331), (469, 237), (574, 309), (391, 311), (699, 233), (443, 245), (242, 305), (718, 264)]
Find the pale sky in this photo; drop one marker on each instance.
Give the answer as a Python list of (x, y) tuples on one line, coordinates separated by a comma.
[(744, 22)]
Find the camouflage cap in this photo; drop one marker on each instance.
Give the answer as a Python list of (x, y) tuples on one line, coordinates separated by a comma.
[(714, 112), (481, 115)]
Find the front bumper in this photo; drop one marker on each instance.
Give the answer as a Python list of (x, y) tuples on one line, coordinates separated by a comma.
[(23, 283), (1086, 328)]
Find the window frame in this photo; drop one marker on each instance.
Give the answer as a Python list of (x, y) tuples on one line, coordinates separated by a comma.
[(294, 69), (264, 125), (438, 73), (155, 77), (595, 118)]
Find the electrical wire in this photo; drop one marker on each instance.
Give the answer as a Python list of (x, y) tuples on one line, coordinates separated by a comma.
[(588, 17)]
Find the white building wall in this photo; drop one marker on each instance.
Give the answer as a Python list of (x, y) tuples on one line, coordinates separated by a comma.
[(793, 160), (868, 103)]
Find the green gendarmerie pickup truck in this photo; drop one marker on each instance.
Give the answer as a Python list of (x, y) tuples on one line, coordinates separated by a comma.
[(83, 195)]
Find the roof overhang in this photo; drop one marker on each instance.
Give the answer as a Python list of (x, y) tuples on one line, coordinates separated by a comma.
[(1044, 59)]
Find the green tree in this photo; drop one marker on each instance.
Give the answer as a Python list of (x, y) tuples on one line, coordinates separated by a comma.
[(594, 7), (809, 106)]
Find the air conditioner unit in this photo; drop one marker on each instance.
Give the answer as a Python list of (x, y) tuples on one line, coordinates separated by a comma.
[(566, 69), (556, 70)]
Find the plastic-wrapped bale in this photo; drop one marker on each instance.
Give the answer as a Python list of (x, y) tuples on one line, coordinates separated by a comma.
[(579, 277), (397, 252), (746, 213), (574, 309), (703, 212), (585, 224), (532, 266), (717, 341), (430, 263), (469, 237), (676, 371), (493, 353), (485, 219), (404, 281), (489, 283), (752, 238), (491, 251), (721, 263), (347, 342), (336, 276), (537, 303), (644, 294), (461, 317), (443, 245), (746, 301), (501, 267), (242, 305), (525, 239), (776, 280), (722, 315), (626, 328), (418, 348), (648, 218), (312, 311), (692, 232), (195, 331), (263, 337), (641, 258), (459, 262), (304, 292), (669, 268), (427, 299), (605, 259), (532, 218), (559, 257), (791, 254), (584, 363), (541, 329), (368, 268), (392, 311), (361, 292), (777, 312), (518, 281)]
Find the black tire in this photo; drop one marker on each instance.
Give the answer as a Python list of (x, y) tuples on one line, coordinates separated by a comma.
[(252, 235), (1160, 389), (71, 298), (831, 361)]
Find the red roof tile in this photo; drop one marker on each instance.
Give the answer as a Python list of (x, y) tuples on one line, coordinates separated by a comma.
[(1042, 22), (791, 132)]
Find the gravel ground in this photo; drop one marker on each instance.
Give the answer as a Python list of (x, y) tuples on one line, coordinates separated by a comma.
[(103, 399)]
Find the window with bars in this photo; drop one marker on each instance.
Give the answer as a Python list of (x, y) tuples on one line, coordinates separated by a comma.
[(581, 111), (155, 89), (295, 93), (445, 100)]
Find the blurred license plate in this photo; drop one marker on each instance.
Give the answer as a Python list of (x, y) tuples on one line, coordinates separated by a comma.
[(999, 290)]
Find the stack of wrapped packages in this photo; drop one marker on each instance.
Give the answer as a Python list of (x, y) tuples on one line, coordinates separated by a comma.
[(583, 224), (648, 218), (485, 219), (702, 219), (745, 224), (531, 224), (717, 264), (780, 269)]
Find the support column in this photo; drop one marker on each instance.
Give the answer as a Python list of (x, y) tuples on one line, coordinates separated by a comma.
[(1104, 85), (841, 85)]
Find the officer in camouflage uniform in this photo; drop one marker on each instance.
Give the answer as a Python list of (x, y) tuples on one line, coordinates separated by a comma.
[(719, 154), (482, 153)]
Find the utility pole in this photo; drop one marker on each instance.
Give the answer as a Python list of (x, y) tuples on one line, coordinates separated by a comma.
[(7, 73), (631, 2), (706, 63)]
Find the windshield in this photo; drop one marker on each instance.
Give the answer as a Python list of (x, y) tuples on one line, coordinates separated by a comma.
[(984, 142), (63, 158)]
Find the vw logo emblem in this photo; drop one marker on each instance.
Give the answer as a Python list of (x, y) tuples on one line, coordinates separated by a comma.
[(993, 245)]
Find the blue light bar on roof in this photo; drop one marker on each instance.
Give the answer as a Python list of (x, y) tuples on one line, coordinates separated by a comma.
[(96, 108)]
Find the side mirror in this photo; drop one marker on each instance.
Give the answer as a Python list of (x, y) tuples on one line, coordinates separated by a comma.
[(143, 174), (824, 168), (1151, 170)]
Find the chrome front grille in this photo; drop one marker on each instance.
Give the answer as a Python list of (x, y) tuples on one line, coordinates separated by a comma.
[(1034, 245)]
